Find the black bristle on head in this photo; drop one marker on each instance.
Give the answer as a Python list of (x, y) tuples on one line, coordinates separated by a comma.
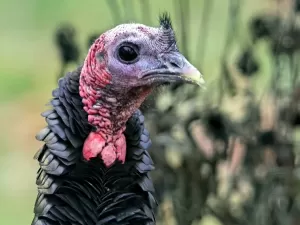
[(165, 20), (168, 35)]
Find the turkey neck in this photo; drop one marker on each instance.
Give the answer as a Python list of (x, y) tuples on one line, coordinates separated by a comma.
[(111, 110), (108, 110), (108, 106)]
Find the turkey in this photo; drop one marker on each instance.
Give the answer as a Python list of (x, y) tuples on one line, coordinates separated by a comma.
[(94, 164)]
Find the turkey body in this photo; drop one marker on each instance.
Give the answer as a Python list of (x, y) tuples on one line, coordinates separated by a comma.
[(72, 191)]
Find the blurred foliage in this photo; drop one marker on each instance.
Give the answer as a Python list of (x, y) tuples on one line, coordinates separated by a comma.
[(227, 155)]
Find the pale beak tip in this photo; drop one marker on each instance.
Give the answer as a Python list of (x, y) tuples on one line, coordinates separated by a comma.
[(201, 80), (195, 77)]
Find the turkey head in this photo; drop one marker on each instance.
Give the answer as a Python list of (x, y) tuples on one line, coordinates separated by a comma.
[(122, 67)]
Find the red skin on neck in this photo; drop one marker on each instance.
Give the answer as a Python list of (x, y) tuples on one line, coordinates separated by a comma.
[(107, 111)]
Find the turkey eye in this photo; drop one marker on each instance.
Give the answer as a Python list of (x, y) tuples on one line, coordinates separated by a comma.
[(127, 54)]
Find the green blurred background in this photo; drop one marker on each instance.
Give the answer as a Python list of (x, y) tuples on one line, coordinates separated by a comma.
[(29, 64)]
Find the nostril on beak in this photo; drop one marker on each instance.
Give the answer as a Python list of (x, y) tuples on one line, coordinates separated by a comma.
[(172, 60), (176, 62)]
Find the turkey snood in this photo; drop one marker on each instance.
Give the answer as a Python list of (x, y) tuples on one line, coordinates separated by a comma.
[(122, 67)]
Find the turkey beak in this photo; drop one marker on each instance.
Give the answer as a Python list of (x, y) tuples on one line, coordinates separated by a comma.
[(173, 68), (187, 71), (180, 69)]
